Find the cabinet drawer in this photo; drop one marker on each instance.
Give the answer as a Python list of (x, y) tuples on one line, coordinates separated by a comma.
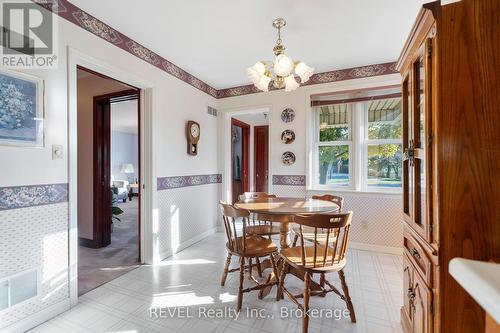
[(418, 257)]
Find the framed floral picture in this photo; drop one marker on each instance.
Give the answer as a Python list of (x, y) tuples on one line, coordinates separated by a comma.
[(21, 109)]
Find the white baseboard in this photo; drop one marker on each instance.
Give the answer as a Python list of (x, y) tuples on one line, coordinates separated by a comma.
[(376, 248), (188, 243), (37, 318)]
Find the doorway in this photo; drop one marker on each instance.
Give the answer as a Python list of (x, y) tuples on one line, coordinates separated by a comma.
[(249, 152), (108, 176), (240, 151)]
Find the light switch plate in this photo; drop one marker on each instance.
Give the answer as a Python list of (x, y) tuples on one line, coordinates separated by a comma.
[(57, 152)]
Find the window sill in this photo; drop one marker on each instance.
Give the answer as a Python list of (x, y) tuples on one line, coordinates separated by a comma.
[(395, 193)]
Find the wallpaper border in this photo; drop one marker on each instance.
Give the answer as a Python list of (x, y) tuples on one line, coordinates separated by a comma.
[(16, 197), (168, 183), (86, 21), (291, 180)]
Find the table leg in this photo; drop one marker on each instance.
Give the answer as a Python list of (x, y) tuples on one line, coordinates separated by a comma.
[(284, 235)]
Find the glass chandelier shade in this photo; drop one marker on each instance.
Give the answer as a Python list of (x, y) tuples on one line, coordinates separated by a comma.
[(283, 65), (282, 72)]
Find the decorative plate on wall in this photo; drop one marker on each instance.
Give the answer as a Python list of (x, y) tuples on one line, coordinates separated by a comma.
[(288, 136), (288, 115), (288, 158)]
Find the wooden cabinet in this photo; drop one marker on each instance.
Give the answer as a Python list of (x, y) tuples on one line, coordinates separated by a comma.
[(451, 159)]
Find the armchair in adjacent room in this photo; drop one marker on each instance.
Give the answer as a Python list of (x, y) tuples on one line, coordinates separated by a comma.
[(122, 189)]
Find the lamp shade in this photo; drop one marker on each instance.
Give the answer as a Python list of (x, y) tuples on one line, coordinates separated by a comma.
[(127, 168), (259, 67), (290, 83), (253, 75), (304, 71), (283, 65), (263, 83)]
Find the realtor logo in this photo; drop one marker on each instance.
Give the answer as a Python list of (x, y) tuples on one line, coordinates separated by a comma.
[(28, 35)]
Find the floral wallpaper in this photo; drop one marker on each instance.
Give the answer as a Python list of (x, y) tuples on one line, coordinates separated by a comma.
[(32, 195), (166, 183), (291, 180)]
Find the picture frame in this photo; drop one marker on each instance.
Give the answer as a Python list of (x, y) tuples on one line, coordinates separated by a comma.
[(22, 110)]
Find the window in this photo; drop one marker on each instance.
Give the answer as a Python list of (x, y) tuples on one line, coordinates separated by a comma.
[(334, 145), (357, 141), (383, 143)]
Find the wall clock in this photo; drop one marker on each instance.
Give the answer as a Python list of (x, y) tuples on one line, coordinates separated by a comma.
[(193, 135)]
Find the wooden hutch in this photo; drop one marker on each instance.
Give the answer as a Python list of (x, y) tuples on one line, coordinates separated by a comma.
[(450, 68)]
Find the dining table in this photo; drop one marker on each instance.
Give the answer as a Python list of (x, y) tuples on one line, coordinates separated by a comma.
[(282, 210)]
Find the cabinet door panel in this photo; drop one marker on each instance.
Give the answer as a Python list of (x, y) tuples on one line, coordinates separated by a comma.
[(420, 134), (421, 306), (407, 147)]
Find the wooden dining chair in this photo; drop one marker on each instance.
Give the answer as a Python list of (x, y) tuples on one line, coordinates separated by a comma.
[(260, 224), (246, 247), (320, 256), (308, 233)]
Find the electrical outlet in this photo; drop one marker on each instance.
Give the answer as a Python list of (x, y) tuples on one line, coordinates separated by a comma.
[(364, 224), (57, 152)]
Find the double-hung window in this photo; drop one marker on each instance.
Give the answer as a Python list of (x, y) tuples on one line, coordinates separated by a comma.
[(334, 145), (383, 143), (357, 141)]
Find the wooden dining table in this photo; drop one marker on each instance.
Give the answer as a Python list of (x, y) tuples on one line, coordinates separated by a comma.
[(282, 210)]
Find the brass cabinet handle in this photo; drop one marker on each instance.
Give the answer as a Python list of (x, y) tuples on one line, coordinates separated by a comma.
[(415, 253), (411, 294)]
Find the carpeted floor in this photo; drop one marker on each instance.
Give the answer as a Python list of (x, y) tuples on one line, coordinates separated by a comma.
[(98, 266)]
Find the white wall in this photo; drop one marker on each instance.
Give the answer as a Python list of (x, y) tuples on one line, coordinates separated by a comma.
[(376, 217), (44, 229)]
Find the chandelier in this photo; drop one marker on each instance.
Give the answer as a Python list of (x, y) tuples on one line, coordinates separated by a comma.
[(282, 71)]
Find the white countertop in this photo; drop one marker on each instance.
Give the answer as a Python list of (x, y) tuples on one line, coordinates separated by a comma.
[(481, 280)]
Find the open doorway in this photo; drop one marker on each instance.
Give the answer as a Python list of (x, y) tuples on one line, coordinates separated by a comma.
[(249, 153), (108, 177)]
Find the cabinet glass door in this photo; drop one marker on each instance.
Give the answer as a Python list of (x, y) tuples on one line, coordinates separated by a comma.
[(421, 134), (408, 192)]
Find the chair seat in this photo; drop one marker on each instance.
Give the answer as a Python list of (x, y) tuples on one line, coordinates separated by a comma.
[(308, 234), (257, 246), (263, 229), (294, 257)]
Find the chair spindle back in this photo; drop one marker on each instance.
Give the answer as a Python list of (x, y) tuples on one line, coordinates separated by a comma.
[(333, 198), (337, 225), (255, 218), (229, 215)]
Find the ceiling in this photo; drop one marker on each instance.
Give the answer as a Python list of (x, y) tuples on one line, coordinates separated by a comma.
[(217, 40)]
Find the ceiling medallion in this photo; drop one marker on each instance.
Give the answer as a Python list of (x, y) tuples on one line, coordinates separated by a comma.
[(282, 72)]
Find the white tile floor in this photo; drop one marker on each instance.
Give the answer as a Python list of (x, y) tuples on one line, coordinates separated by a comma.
[(189, 281)]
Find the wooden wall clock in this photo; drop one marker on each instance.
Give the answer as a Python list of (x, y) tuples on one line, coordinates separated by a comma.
[(193, 135)]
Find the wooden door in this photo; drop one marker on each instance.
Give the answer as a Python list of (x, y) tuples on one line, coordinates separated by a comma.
[(102, 172), (261, 158)]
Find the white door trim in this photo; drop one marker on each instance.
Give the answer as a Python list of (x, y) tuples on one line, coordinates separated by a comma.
[(147, 180)]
